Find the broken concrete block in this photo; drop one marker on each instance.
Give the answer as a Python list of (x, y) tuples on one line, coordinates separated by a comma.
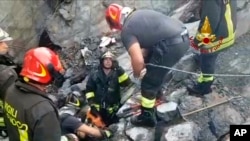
[(85, 52), (167, 111), (140, 134), (176, 95), (190, 103), (187, 131), (106, 41), (65, 14)]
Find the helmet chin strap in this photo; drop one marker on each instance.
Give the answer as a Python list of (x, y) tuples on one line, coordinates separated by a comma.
[(126, 11)]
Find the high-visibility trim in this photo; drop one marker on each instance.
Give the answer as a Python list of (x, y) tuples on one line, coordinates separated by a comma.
[(90, 95), (23, 135), (201, 78), (147, 103), (97, 106), (112, 109), (2, 124), (1, 104), (123, 77), (77, 103), (226, 41)]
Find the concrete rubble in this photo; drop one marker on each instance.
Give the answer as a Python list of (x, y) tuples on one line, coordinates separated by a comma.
[(187, 131)]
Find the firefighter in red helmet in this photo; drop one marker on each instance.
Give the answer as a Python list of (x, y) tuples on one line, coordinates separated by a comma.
[(149, 37), (29, 113)]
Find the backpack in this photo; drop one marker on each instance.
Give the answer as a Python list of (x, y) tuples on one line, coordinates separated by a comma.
[(7, 77)]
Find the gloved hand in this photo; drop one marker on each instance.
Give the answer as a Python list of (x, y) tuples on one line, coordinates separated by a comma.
[(69, 137), (108, 133)]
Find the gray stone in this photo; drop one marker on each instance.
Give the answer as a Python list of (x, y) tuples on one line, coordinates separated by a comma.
[(65, 14), (167, 111), (176, 95), (190, 103), (187, 131), (140, 133), (69, 73), (222, 117)]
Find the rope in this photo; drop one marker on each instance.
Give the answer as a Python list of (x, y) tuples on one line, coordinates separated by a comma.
[(193, 73)]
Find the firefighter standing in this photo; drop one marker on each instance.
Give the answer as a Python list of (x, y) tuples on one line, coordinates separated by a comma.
[(103, 88), (149, 37), (218, 23), (28, 113), (8, 76)]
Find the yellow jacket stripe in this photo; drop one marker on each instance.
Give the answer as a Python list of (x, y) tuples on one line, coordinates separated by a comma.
[(2, 124), (90, 95), (123, 77), (23, 135)]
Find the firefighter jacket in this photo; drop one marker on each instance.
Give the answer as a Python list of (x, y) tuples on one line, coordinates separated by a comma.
[(30, 115), (105, 89), (217, 25)]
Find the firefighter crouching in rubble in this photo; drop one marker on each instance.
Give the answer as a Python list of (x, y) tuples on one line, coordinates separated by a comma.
[(149, 37), (103, 88), (218, 18), (7, 76), (28, 113), (72, 118)]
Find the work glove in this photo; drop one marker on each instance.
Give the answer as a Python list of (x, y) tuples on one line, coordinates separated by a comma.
[(109, 132), (69, 137)]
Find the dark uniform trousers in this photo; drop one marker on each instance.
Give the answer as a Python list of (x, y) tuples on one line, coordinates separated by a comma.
[(166, 53)]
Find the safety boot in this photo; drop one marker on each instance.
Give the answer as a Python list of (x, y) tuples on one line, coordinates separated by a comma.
[(147, 118), (202, 88)]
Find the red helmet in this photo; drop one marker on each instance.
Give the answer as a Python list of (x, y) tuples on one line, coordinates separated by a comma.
[(40, 65), (113, 16)]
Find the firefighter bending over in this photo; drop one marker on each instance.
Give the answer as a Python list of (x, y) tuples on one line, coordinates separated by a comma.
[(103, 88), (149, 37)]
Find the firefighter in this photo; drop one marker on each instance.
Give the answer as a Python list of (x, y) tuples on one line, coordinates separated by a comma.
[(103, 88), (218, 24), (149, 37), (28, 113), (72, 119), (7, 75)]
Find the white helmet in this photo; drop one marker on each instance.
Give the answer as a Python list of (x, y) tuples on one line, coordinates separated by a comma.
[(125, 13), (4, 36), (108, 54)]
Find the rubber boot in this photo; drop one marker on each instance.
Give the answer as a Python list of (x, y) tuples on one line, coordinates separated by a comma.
[(200, 88), (147, 118)]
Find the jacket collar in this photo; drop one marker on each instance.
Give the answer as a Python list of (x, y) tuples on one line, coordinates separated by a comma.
[(29, 89)]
